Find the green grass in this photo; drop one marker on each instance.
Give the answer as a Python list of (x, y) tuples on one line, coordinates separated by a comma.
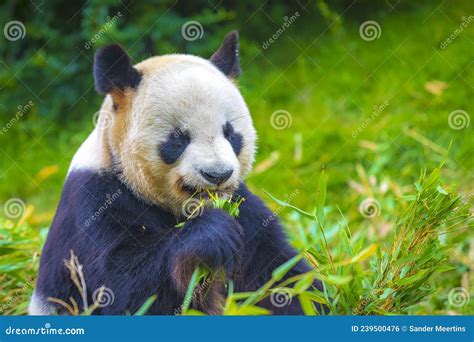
[(329, 91)]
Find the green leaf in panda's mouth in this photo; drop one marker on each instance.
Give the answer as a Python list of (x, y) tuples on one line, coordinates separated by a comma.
[(218, 200), (226, 203)]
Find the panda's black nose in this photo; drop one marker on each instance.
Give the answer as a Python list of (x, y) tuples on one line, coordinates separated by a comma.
[(217, 177)]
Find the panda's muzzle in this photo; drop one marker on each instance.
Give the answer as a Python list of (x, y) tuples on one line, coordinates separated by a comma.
[(217, 177), (213, 180)]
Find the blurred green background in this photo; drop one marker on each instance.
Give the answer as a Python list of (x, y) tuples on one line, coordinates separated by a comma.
[(372, 107)]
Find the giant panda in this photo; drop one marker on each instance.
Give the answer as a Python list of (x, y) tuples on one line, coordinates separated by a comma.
[(172, 126)]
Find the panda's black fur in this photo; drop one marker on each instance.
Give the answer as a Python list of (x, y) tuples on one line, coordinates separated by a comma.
[(135, 249), (133, 255), (113, 70)]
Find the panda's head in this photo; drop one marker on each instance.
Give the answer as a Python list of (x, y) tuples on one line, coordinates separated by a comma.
[(177, 125)]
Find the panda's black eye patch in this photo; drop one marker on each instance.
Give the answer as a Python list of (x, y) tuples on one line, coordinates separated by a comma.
[(172, 148), (233, 137)]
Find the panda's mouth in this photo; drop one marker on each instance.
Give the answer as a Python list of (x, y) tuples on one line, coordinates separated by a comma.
[(205, 193)]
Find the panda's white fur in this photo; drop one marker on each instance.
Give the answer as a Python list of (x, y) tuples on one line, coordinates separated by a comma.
[(88, 156), (38, 307), (177, 91)]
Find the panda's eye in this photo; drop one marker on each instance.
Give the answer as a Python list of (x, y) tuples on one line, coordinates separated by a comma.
[(234, 138), (174, 146)]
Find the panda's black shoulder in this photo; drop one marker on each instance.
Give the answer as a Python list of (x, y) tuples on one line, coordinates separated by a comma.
[(101, 200)]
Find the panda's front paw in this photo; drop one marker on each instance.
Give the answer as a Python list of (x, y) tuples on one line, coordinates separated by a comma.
[(212, 240)]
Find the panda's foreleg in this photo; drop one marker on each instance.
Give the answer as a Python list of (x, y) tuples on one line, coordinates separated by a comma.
[(212, 240)]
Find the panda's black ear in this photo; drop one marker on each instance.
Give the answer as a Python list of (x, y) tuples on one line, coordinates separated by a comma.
[(113, 70), (226, 59)]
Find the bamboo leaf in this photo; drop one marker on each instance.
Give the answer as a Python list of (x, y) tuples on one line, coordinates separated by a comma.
[(411, 279), (336, 279), (304, 283), (146, 306), (365, 253), (307, 305), (287, 205), (321, 197), (283, 269), (198, 274)]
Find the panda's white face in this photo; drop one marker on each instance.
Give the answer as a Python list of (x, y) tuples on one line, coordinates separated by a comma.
[(189, 131), (176, 125)]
